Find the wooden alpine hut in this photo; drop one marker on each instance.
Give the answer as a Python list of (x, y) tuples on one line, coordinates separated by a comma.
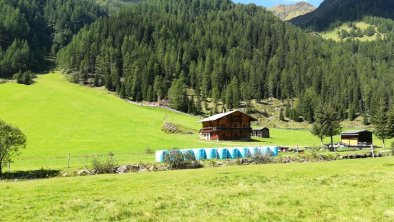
[(234, 125), (357, 138)]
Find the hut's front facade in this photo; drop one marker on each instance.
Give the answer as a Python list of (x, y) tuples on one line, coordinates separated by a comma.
[(233, 125), (357, 138)]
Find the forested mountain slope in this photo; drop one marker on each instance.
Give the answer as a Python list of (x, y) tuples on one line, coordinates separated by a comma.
[(287, 12), (227, 52), (31, 30), (335, 12)]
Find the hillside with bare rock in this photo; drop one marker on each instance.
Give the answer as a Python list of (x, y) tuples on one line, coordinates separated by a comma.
[(287, 12)]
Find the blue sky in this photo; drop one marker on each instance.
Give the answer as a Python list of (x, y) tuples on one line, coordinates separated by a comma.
[(270, 3)]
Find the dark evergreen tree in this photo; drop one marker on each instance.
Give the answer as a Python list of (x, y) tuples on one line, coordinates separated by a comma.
[(383, 128), (177, 95), (331, 124)]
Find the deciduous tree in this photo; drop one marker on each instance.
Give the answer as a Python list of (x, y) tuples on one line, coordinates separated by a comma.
[(11, 141)]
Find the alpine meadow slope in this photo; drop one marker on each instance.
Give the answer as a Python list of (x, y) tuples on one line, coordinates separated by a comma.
[(59, 118)]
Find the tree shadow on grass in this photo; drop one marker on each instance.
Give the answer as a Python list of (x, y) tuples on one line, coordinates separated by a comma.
[(30, 174)]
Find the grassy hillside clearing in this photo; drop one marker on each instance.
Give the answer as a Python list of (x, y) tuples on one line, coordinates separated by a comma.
[(59, 118), (333, 34), (351, 190)]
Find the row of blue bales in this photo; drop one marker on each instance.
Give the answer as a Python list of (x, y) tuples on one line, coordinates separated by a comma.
[(222, 153)]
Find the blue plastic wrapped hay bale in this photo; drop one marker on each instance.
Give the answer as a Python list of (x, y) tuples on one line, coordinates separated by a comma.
[(234, 152), (160, 155), (254, 151), (274, 150), (200, 154), (223, 153), (212, 153), (266, 151), (245, 152), (188, 152)]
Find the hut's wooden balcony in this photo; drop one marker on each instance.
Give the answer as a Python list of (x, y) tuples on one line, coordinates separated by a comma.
[(215, 129)]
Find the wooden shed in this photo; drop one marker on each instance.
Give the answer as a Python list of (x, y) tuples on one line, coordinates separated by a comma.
[(357, 138), (234, 125), (261, 132)]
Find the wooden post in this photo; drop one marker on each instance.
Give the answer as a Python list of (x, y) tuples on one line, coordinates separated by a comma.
[(373, 154), (68, 160)]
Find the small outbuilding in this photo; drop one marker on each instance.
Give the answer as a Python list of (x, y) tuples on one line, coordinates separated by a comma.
[(261, 132), (357, 138)]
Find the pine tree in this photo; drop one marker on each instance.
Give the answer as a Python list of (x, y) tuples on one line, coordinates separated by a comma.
[(390, 123), (380, 120), (236, 97), (318, 127), (177, 95), (351, 113), (332, 124), (229, 97), (158, 87)]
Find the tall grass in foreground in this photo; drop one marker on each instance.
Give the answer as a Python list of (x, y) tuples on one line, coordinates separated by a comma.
[(349, 190)]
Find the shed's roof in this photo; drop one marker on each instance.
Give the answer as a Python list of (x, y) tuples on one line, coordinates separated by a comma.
[(352, 132), (221, 115), (261, 128)]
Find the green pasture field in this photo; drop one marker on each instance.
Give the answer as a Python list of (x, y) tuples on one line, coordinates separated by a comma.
[(333, 34), (61, 118), (346, 190)]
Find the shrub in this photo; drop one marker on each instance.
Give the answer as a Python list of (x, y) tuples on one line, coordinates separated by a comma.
[(347, 149), (31, 174), (177, 160), (104, 166), (148, 150), (24, 77), (317, 153), (281, 115), (261, 159), (73, 77)]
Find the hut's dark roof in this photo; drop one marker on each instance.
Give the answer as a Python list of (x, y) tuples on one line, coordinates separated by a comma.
[(258, 129), (354, 132), (221, 115)]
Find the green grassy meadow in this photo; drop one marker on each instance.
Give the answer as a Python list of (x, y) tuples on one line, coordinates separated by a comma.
[(348, 190), (333, 34), (59, 118)]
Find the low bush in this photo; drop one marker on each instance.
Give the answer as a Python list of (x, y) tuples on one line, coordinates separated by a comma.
[(104, 166), (175, 159), (261, 159), (31, 174), (24, 77), (149, 150), (347, 149), (318, 154), (312, 153)]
